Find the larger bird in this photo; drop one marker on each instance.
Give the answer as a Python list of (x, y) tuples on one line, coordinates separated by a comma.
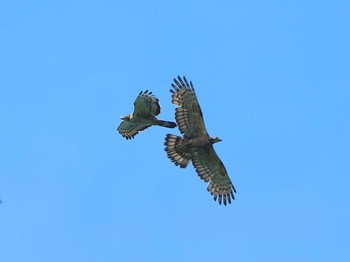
[(196, 145), (146, 108)]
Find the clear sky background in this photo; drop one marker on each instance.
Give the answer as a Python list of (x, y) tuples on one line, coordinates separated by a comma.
[(273, 81)]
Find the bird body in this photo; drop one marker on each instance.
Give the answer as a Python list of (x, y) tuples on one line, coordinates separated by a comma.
[(146, 108), (196, 145)]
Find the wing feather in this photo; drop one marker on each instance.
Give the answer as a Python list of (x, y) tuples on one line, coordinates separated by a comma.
[(210, 168), (189, 115), (129, 130), (145, 105)]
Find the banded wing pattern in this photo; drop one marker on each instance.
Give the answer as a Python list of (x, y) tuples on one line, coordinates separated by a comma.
[(196, 145)]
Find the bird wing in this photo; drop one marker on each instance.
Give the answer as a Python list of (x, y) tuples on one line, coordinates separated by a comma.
[(146, 105), (129, 129), (210, 168), (188, 115)]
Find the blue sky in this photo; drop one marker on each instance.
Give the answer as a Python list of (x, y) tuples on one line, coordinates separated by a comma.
[(273, 81)]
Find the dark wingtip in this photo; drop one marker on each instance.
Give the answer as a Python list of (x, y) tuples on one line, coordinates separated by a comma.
[(225, 199)]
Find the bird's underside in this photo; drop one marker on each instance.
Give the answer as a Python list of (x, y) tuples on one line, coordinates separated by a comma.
[(146, 108), (196, 145)]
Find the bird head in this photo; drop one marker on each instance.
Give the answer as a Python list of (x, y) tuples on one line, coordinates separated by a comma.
[(215, 140), (125, 117)]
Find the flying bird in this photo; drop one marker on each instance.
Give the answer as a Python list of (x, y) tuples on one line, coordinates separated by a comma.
[(196, 145), (146, 108)]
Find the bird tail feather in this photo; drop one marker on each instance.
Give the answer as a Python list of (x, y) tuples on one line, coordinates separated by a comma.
[(167, 124), (176, 150)]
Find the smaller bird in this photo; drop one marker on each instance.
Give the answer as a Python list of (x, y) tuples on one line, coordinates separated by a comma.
[(146, 108)]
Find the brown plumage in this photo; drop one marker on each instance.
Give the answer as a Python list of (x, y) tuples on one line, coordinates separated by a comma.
[(146, 108), (196, 145)]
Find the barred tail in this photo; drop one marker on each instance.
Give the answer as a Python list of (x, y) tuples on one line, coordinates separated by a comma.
[(167, 124), (176, 150)]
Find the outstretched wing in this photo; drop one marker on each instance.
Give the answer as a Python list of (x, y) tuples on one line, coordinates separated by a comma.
[(129, 130), (211, 169), (190, 121), (188, 115), (146, 105)]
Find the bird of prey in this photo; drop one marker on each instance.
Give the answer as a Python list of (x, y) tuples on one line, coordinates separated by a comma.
[(196, 145), (146, 108)]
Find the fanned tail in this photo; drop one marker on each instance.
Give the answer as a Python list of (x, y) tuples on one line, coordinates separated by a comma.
[(176, 150)]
